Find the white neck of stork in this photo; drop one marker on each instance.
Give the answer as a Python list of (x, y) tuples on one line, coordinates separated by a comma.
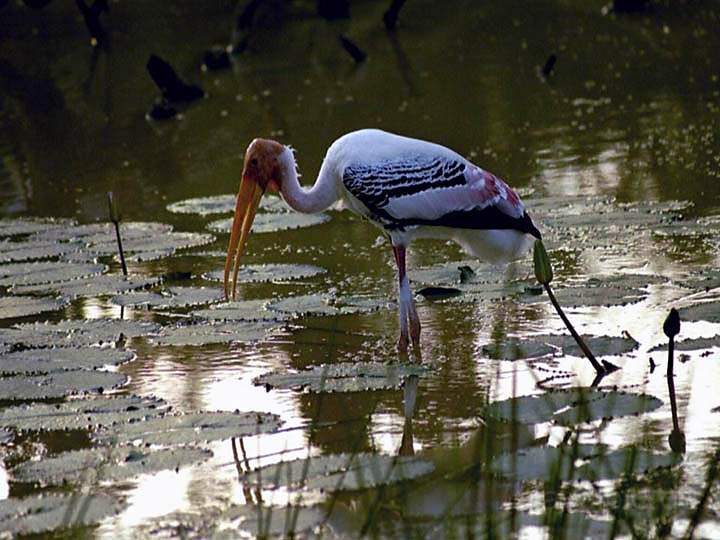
[(271, 166), (323, 193)]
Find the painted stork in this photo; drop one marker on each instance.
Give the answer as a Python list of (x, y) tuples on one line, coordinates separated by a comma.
[(407, 187)]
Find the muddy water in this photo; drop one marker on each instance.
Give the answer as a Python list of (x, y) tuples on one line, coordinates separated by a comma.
[(630, 114)]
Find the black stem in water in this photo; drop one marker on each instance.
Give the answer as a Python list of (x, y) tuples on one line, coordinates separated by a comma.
[(585, 349), (115, 218)]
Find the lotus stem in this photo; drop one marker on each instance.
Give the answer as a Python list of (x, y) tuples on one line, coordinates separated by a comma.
[(115, 219), (544, 274)]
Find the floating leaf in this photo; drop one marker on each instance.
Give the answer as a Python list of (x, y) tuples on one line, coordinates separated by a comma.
[(91, 466), (343, 377), (626, 281), (286, 522), (94, 233), (205, 206), (694, 344), (32, 250), (306, 304), (207, 333), (245, 310), (540, 408), (543, 461), (14, 307), (151, 248), (33, 361), (571, 406), (173, 297), (316, 304), (60, 384), (339, 472), (82, 413), (704, 281), (5, 436), (439, 293), (514, 349), (521, 525), (50, 512), (599, 345), (707, 311), (222, 204), (271, 222), (591, 296), (75, 333), (191, 428), (18, 226), (46, 272), (454, 273), (265, 273), (609, 405), (625, 461), (103, 285)]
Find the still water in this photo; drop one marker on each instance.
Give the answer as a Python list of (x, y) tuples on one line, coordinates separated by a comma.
[(630, 114)]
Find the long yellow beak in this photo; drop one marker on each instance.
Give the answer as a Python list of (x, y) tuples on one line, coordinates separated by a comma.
[(248, 200)]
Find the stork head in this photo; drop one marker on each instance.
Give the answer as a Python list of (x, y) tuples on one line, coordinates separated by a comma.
[(261, 172)]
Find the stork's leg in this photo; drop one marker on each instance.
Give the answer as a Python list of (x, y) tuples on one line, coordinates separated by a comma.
[(407, 305)]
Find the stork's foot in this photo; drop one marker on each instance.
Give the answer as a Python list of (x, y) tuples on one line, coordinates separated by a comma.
[(415, 330), (402, 344)]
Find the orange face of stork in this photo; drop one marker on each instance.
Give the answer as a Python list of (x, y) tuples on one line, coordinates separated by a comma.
[(261, 172)]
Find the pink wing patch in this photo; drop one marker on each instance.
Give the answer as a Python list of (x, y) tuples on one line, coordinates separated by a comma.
[(489, 189)]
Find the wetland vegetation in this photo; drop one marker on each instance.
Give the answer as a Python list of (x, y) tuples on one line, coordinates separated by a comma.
[(145, 406)]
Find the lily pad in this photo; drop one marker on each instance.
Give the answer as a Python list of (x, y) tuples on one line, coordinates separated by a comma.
[(343, 377), (571, 406), (22, 226), (455, 273), (60, 384), (543, 461), (609, 405), (591, 296), (104, 232), (245, 310), (190, 428), (222, 204), (46, 272), (75, 333), (35, 250), (266, 521), (272, 222), (173, 297), (339, 472), (703, 281), (708, 311), (317, 304), (152, 247), (103, 285), (50, 512), (632, 461), (626, 281), (599, 345), (540, 408), (199, 334), (90, 466), (205, 206), (13, 307), (515, 349), (694, 344), (82, 413), (5, 436), (265, 273), (33, 361)]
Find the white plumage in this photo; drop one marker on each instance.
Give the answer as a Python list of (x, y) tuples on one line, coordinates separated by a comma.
[(407, 187)]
